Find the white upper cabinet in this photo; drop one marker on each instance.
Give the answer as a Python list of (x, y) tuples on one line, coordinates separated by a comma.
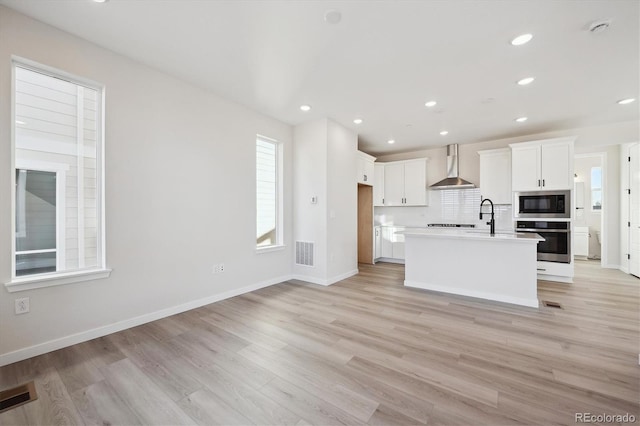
[(405, 183), (557, 169), (525, 166), (415, 183), (365, 168), (394, 184), (378, 184), (495, 175), (542, 165)]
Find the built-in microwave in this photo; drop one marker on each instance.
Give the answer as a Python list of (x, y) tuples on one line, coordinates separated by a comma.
[(542, 204)]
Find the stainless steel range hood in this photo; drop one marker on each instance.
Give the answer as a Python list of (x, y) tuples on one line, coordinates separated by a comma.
[(453, 181)]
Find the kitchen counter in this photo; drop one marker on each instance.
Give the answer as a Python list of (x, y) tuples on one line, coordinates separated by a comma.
[(501, 267), (475, 234)]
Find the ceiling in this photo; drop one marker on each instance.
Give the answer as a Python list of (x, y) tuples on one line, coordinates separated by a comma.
[(384, 60)]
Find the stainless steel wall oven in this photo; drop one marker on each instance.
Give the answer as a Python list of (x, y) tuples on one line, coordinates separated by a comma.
[(556, 246)]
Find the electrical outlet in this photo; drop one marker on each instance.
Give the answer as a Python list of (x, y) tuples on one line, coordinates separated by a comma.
[(218, 268), (22, 305)]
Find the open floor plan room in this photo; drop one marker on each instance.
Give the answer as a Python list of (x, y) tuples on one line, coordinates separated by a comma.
[(365, 350)]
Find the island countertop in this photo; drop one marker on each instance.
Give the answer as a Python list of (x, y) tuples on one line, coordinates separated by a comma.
[(473, 235)]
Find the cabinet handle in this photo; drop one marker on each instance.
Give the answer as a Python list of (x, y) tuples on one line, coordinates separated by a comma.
[(542, 182), (538, 182), (541, 269), (365, 178)]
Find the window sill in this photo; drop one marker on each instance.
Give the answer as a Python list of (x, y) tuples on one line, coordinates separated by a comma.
[(50, 280), (269, 249)]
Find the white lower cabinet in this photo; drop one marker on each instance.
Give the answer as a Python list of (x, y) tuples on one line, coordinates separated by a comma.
[(377, 243), (392, 244), (581, 241)]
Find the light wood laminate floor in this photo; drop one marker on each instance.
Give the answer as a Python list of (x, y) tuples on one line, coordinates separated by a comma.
[(363, 351)]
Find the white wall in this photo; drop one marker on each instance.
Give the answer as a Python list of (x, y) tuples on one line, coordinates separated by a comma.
[(325, 166), (310, 180), (180, 195), (342, 215)]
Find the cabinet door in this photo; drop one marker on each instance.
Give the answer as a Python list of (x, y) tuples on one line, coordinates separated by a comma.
[(378, 184), (581, 244), (415, 183), (367, 173), (556, 166), (397, 244), (377, 242), (394, 184), (495, 177), (525, 168), (386, 243)]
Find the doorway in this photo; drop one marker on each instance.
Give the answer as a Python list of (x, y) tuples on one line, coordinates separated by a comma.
[(633, 211), (590, 206), (365, 224)]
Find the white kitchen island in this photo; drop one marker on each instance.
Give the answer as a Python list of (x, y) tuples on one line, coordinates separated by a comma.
[(499, 267)]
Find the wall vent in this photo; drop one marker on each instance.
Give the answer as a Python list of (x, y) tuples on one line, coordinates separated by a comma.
[(304, 253), (550, 304)]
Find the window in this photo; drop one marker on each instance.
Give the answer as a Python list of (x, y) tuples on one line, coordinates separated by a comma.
[(268, 193), (596, 189), (57, 205)]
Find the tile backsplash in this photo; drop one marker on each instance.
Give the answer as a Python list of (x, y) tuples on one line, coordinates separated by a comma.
[(447, 206)]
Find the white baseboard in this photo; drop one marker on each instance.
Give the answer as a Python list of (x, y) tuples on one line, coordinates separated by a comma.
[(610, 266), (325, 281), (532, 303), (84, 336), (390, 260), (556, 278)]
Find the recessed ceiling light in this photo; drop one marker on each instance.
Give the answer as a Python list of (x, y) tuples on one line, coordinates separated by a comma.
[(521, 119), (391, 141), (522, 39), (332, 16), (305, 108), (100, 1), (430, 104), (358, 121), (444, 133), (626, 101), (525, 81)]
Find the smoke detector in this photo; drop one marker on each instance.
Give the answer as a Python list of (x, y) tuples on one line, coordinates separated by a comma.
[(599, 26), (332, 16)]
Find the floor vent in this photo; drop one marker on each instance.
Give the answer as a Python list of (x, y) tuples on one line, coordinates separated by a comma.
[(304, 253), (17, 396), (551, 304)]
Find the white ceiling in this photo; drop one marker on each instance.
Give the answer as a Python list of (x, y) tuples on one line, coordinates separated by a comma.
[(384, 60)]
